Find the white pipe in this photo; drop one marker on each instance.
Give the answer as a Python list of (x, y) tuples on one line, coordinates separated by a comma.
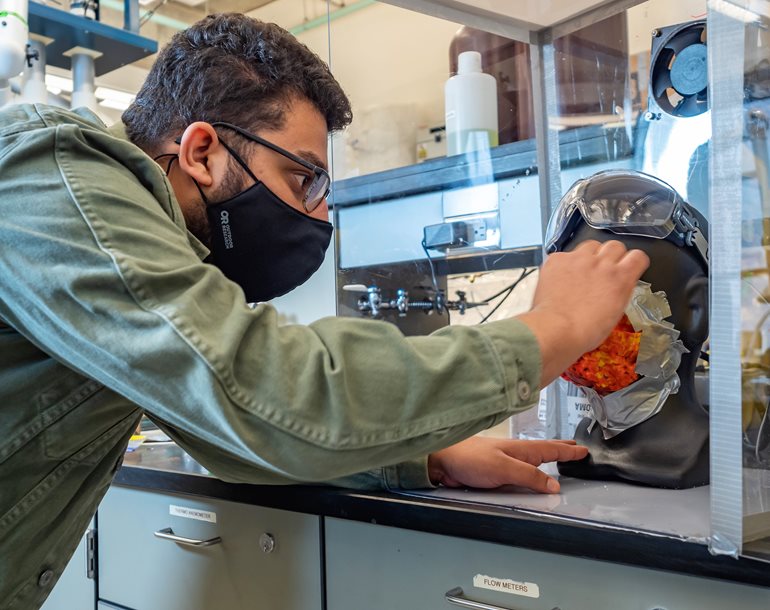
[(33, 89), (83, 82)]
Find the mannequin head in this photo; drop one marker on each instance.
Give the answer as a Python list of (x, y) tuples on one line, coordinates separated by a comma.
[(677, 271), (671, 448)]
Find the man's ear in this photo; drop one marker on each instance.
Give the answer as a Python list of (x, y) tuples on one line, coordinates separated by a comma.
[(198, 148), (697, 294)]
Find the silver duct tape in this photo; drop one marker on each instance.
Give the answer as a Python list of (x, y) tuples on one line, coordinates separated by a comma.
[(660, 352), (630, 406)]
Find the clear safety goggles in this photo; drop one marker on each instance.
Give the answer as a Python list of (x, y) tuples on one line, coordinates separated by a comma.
[(315, 187), (625, 202), (318, 183)]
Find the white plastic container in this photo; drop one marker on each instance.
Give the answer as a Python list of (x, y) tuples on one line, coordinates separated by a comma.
[(471, 107), (14, 34)]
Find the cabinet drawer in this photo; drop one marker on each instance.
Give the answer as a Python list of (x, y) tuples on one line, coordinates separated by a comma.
[(383, 568), (239, 568)]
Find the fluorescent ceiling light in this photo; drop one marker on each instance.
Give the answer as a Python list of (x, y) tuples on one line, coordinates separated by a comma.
[(105, 93), (115, 104), (58, 82)]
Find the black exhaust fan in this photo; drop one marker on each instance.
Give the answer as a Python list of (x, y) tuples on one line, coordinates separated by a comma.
[(679, 72)]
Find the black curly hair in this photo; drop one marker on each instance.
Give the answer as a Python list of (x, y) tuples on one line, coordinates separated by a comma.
[(230, 67)]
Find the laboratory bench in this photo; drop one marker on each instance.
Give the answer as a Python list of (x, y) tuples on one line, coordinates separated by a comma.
[(171, 535)]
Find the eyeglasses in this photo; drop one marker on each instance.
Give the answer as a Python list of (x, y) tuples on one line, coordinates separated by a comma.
[(314, 193), (627, 203)]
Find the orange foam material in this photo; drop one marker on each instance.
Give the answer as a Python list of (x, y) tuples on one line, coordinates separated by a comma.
[(611, 366)]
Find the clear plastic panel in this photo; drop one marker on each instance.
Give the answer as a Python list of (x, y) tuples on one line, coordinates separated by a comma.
[(435, 194), (626, 105), (591, 96), (739, 46), (703, 131), (420, 232)]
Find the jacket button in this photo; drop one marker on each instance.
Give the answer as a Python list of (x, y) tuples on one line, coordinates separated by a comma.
[(524, 390), (46, 578)]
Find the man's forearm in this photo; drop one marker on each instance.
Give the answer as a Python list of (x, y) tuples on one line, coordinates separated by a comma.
[(558, 345)]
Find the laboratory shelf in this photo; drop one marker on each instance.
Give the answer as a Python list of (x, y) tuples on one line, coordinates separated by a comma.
[(115, 47), (577, 147)]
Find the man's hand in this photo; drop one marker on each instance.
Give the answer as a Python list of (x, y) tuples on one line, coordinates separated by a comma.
[(491, 462), (579, 298)]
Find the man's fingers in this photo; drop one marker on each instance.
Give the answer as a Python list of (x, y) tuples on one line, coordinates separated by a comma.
[(590, 245), (538, 452), (634, 263), (612, 250), (489, 463), (522, 474)]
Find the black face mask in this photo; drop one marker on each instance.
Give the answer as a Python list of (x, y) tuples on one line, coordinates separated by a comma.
[(265, 245), (262, 243)]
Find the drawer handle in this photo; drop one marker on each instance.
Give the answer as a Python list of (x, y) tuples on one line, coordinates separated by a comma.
[(168, 534), (456, 597)]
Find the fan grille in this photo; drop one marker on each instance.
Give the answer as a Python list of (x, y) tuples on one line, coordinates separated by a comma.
[(679, 72)]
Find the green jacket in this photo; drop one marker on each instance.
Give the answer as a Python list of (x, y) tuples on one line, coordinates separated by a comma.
[(107, 312)]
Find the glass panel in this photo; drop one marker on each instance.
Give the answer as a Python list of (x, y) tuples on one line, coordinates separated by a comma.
[(435, 192), (309, 22), (479, 213), (462, 207), (395, 64)]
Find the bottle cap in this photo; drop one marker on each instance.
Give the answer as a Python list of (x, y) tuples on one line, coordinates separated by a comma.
[(469, 61)]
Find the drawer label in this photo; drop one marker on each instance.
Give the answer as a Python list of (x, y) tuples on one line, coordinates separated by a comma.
[(192, 513), (505, 585)]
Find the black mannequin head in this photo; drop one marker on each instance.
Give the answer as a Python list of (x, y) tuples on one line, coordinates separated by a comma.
[(677, 271), (671, 448)]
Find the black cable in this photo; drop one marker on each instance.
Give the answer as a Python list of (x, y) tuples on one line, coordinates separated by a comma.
[(512, 287), (430, 263), (497, 294), (507, 290), (433, 277), (488, 300), (496, 307)]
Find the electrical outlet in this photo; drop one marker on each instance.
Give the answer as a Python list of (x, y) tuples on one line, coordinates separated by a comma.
[(479, 230)]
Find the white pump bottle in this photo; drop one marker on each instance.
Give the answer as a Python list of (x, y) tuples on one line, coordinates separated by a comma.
[(471, 107)]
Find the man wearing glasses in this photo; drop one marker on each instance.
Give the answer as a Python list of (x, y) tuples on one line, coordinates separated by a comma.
[(129, 256)]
